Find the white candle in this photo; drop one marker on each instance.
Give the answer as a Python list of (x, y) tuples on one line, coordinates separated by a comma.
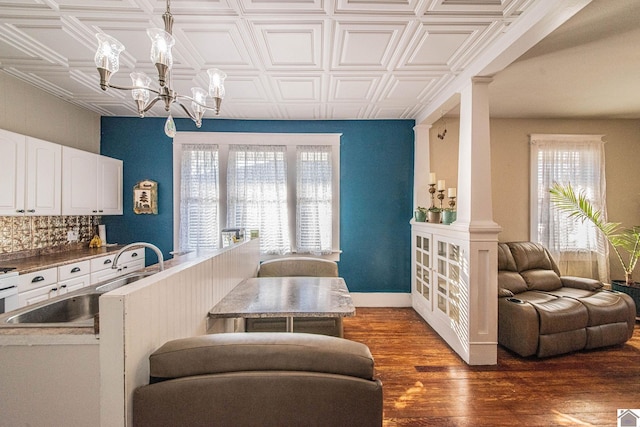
[(452, 192), (441, 185), (432, 178)]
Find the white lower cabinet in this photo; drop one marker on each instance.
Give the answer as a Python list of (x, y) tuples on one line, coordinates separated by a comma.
[(36, 295), (44, 284), (72, 277), (130, 261), (37, 286), (74, 284), (102, 275)]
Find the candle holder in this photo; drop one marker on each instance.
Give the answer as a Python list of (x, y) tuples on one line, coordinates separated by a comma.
[(441, 197), (452, 202), (432, 190)]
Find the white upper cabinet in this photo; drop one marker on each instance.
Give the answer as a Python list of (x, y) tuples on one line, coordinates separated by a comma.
[(91, 184), (109, 186), (30, 175), (44, 177), (79, 182), (12, 156)]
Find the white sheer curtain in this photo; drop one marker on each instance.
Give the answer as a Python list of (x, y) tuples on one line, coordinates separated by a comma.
[(314, 199), (199, 197), (578, 248), (257, 194)]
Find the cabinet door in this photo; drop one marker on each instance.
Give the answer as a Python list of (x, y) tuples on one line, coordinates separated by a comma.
[(12, 163), (79, 182), (37, 279), (43, 177), (102, 275), (102, 263), (109, 186), (37, 295), (73, 270), (74, 284)]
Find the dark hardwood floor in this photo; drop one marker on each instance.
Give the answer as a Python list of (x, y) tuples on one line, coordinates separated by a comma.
[(426, 383)]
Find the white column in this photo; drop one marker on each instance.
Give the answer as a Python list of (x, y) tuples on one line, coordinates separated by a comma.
[(461, 301), (421, 166), (474, 157), (475, 216)]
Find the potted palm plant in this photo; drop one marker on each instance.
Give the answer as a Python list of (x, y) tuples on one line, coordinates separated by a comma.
[(624, 241)]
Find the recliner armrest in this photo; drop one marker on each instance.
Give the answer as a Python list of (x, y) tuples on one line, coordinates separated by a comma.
[(581, 283)]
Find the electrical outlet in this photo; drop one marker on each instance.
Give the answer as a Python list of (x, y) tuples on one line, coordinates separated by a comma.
[(72, 235)]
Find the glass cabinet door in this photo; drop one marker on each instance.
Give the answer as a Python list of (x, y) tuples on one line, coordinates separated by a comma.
[(448, 277), (423, 266)]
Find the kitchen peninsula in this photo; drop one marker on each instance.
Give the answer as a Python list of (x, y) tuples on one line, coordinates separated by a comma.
[(84, 379)]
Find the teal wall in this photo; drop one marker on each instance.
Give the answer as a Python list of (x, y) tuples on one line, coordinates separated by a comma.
[(376, 189)]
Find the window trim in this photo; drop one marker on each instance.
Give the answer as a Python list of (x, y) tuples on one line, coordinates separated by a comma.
[(290, 140)]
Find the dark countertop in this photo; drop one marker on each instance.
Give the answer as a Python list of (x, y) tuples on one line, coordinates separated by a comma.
[(42, 262)]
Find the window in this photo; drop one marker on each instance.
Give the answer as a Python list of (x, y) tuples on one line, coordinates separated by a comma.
[(578, 248), (200, 197), (284, 185), (257, 194)]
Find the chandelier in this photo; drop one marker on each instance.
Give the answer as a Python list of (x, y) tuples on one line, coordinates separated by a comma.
[(107, 60)]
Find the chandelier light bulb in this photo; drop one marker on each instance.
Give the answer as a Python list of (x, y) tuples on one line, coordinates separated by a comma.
[(199, 96), (161, 44), (140, 80), (216, 82), (108, 53)]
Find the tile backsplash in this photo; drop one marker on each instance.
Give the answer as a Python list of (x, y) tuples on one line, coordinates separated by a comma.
[(33, 235)]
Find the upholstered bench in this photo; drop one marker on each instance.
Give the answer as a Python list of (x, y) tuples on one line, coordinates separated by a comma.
[(260, 379)]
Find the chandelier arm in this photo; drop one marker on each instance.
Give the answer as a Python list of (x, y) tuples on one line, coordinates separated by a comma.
[(186, 110), (193, 100), (152, 103), (133, 88)]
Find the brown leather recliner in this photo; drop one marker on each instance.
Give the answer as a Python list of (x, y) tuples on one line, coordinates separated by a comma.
[(542, 313), (260, 379)]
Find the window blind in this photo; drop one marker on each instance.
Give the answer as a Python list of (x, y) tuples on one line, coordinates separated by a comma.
[(257, 194), (314, 199), (199, 198)]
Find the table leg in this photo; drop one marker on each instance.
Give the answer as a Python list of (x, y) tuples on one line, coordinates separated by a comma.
[(289, 324)]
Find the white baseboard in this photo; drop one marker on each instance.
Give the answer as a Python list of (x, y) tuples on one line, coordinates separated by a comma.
[(381, 299)]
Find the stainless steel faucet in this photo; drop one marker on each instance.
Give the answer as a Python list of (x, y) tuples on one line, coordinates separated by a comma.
[(146, 245)]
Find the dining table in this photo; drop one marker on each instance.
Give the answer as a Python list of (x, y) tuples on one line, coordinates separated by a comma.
[(288, 297)]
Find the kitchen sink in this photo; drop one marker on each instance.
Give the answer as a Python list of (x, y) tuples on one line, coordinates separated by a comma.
[(122, 281), (77, 309), (70, 309)]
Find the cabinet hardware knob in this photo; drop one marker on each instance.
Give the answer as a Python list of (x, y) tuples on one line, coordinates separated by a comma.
[(63, 286), (75, 269), (20, 210), (37, 279), (31, 211), (53, 289), (134, 254), (107, 261)]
